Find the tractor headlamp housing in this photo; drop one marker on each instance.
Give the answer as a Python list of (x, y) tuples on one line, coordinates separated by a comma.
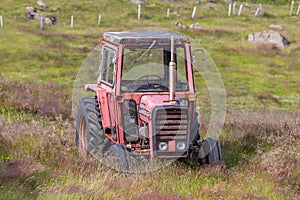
[(180, 146), (130, 122), (163, 146)]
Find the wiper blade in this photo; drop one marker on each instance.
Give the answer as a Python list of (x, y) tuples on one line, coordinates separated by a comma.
[(140, 56)]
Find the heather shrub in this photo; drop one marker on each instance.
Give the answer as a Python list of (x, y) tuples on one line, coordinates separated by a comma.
[(268, 139), (49, 100)]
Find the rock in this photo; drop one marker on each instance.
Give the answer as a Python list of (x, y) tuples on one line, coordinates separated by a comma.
[(33, 15), (179, 24), (195, 26), (138, 1), (41, 3), (275, 26), (30, 9), (269, 37), (50, 20), (298, 23), (176, 14), (169, 0)]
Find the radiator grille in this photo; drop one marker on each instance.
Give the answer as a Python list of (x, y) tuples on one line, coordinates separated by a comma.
[(170, 124)]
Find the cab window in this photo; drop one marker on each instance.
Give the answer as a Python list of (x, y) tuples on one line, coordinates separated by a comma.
[(107, 66)]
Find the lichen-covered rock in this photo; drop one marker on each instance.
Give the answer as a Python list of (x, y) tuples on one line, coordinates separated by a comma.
[(179, 24), (195, 26), (138, 1), (269, 37), (276, 26)]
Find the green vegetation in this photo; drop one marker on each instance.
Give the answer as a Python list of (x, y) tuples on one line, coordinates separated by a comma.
[(38, 158)]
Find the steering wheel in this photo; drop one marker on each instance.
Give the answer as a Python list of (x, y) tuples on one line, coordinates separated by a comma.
[(149, 85), (147, 76)]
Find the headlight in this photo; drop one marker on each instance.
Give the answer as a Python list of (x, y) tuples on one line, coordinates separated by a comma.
[(162, 146), (130, 123), (180, 146)]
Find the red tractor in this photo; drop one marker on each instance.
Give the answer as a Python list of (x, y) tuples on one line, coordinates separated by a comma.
[(144, 104)]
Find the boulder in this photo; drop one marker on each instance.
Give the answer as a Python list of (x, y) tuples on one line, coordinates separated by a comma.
[(195, 26), (179, 24), (169, 0), (269, 37), (41, 3), (30, 9), (275, 26), (138, 1)]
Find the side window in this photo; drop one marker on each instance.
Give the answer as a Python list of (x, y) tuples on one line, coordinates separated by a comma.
[(107, 66), (181, 64)]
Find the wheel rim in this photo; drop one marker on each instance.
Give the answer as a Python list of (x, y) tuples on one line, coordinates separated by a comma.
[(82, 138)]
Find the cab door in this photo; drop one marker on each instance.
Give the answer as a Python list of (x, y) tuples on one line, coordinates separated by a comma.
[(106, 80)]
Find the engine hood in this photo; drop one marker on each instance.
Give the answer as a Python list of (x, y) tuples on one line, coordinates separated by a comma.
[(149, 102)]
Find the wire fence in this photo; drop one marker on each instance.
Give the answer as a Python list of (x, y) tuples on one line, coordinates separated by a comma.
[(232, 8)]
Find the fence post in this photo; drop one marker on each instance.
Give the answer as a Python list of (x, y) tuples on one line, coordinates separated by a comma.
[(72, 21), (1, 21), (168, 12), (42, 22), (292, 7), (256, 12), (240, 10), (298, 10), (229, 10), (99, 20), (194, 12), (261, 12), (139, 12)]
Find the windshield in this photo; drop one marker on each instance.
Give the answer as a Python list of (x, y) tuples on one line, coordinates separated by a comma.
[(146, 68)]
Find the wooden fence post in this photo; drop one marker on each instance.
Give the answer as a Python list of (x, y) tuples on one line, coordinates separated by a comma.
[(1, 21), (42, 22), (298, 10), (194, 12), (229, 10), (240, 10), (72, 21), (99, 20), (256, 12), (292, 7), (139, 12), (261, 12)]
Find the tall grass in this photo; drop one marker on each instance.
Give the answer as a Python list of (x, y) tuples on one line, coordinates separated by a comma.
[(261, 161)]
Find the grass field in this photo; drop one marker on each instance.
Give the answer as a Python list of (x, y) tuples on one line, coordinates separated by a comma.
[(261, 135)]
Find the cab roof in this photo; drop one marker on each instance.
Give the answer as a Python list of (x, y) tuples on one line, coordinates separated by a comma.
[(143, 37)]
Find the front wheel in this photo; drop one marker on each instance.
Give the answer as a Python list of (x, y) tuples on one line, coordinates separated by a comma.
[(210, 152), (117, 157)]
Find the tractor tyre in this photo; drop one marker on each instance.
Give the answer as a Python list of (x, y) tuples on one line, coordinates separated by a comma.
[(117, 157), (210, 152), (90, 137)]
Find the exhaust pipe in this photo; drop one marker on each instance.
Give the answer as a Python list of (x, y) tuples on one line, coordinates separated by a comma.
[(172, 73)]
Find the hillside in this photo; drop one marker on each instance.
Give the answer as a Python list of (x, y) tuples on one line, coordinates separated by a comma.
[(261, 135)]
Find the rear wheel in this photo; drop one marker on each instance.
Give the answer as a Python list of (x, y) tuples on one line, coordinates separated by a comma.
[(90, 138)]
